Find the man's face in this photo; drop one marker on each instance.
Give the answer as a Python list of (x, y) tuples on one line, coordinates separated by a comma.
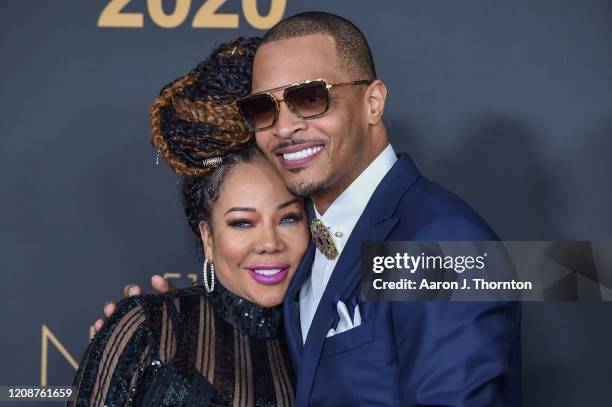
[(320, 155)]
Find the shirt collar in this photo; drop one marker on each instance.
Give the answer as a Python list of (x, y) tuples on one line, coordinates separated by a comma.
[(343, 213)]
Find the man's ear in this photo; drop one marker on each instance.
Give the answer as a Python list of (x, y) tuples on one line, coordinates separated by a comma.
[(376, 95), (207, 241)]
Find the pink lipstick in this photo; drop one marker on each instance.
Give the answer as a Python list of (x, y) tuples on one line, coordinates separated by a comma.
[(269, 274)]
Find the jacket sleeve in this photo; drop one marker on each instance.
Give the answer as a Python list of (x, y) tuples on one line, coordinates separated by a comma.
[(459, 353), (465, 353), (110, 366)]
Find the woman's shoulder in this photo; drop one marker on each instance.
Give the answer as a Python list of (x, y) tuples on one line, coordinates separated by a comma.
[(162, 317), (169, 305), (150, 311), (193, 292)]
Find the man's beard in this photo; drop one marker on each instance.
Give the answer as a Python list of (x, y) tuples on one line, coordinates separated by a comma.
[(306, 190), (302, 189)]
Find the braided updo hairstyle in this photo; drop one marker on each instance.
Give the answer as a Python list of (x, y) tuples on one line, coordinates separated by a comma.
[(195, 119), (197, 129)]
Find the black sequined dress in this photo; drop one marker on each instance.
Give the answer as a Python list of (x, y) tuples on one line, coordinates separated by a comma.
[(187, 348)]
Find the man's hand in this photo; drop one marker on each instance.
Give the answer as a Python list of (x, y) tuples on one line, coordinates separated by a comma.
[(160, 285)]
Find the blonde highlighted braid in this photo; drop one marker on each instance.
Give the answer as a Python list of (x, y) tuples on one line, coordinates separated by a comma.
[(194, 121)]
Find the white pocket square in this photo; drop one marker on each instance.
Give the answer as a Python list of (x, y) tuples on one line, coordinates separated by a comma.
[(345, 322)]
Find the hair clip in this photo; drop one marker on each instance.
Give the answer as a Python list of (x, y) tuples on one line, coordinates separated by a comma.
[(209, 162), (234, 50)]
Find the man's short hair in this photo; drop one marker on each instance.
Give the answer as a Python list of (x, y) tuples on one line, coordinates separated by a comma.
[(351, 45)]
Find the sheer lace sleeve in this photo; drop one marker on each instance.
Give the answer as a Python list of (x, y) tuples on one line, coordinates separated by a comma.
[(109, 368)]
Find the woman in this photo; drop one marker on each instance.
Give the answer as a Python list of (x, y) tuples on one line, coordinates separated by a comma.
[(219, 343)]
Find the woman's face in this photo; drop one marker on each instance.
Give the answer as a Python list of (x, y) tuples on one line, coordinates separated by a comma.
[(259, 233)]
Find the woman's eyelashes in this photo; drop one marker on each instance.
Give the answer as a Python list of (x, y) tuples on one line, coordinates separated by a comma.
[(240, 223), (291, 218), (244, 223)]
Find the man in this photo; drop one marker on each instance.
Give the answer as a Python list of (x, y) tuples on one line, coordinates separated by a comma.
[(335, 150)]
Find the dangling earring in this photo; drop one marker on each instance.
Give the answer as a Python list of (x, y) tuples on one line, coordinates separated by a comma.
[(211, 287)]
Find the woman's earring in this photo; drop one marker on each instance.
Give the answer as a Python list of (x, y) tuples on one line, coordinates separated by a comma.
[(211, 287)]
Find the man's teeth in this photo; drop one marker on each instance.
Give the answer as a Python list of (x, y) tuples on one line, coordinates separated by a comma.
[(302, 153), (270, 272)]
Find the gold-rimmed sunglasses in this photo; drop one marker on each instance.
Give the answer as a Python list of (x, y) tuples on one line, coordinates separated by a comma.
[(306, 99)]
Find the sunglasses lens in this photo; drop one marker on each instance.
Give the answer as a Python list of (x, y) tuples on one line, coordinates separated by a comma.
[(309, 99), (257, 111)]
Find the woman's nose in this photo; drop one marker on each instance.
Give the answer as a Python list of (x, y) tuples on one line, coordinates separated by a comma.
[(270, 240)]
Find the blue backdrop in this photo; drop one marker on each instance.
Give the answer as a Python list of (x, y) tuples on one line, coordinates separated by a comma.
[(522, 88)]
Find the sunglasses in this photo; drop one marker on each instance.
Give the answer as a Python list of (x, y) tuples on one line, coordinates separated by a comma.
[(306, 99)]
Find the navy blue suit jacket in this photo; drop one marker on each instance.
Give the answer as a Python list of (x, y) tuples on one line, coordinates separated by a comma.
[(405, 353)]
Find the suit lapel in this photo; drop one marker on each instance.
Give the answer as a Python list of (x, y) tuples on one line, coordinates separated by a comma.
[(291, 307), (375, 223)]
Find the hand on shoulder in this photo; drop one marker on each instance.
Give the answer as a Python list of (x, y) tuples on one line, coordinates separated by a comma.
[(160, 285)]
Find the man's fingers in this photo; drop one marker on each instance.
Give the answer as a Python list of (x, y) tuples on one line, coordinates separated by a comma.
[(98, 324), (109, 308), (161, 285), (131, 290)]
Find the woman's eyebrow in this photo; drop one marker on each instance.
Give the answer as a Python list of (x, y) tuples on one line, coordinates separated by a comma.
[(240, 209), (249, 209), (283, 205)]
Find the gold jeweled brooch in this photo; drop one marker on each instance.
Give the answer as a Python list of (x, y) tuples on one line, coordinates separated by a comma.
[(322, 239)]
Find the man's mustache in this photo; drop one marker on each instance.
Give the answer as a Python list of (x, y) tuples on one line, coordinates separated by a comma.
[(295, 142)]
